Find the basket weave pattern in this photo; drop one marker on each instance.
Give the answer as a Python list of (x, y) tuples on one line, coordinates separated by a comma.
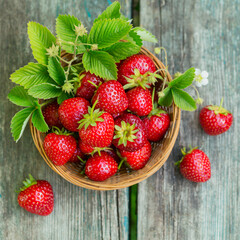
[(125, 177)]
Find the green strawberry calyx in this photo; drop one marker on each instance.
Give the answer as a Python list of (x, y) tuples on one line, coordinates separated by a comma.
[(62, 131), (125, 133), (219, 109), (184, 153), (91, 118), (99, 149), (28, 183)]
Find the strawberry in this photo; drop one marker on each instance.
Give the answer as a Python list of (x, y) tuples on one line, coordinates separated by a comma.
[(71, 111), (100, 167), (36, 196), (50, 114), (129, 133), (87, 89), (143, 63), (59, 147), (76, 155), (139, 158), (215, 120), (96, 128), (139, 101), (111, 97), (195, 165), (85, 148)]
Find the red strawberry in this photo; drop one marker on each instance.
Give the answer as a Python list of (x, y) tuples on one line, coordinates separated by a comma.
[(156, 125), (129, 133), (195, 166), (139, 101), (85, 148), (59, 148), (100, 168), (96, 128), (50, 114), (86, 89), (76, 154), (71, 111), (36, 196), (215, 120), (139, 158), (141, 62), (111, 97)]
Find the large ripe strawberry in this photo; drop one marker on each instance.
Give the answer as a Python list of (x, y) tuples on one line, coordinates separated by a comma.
[(195, 165), (71, 111), (129, 133), (96, 128), (86, 89), (76, 155), (36, 196), (111, 97), (139, 158), (156, 124), (59, 147), (50, 114), (100, 167), (139, 101), (142, 63), (215, 120)]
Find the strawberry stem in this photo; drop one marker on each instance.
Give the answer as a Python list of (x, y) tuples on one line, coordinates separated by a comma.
[(120, 164)]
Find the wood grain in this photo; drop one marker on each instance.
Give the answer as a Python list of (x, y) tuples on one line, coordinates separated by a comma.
[(78, 213), (203, 34)]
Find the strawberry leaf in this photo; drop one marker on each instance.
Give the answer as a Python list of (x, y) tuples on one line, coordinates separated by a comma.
[(122, 50), (184, 80), (167, 99), (30, 75), (56, 71), (134, 38), (101, 64), (106, 32), (183, 100), (38, 120), (45, 91), (145, 35), (65, 29), (111, 12), (19, 122), (40, 39)]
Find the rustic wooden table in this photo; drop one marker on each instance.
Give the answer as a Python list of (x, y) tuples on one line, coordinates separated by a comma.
[(203, 34)]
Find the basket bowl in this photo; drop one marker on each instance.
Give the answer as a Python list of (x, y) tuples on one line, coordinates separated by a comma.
[(125, 177)]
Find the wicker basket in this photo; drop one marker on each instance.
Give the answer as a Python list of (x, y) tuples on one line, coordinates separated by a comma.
[(125, 177)]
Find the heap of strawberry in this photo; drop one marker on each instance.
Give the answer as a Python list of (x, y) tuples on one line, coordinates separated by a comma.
[(115, 120)]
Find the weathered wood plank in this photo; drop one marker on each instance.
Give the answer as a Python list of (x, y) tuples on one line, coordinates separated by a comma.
[(204, 34), (78, 213)]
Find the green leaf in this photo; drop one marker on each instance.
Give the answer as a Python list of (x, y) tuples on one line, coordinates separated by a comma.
[(184, 80), (106, 32), (56, 71), (63, 96), (101, 64), (38, 120), (134, 38), (167, 99), (65, 29), (183, 100), (19, 122), (113, 11), (40, 39), (45, 91), (18, 95), (30, 75), (122, 50), (145, 35)]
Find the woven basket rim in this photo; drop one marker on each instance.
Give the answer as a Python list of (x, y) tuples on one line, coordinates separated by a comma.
[(128, 180)]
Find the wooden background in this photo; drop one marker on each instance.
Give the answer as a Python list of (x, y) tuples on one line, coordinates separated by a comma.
[(199, 33)]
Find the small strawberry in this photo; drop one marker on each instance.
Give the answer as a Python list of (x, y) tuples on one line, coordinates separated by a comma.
[(50, 114), (59, 147), (143, 63), (71, 111), (129, 133), (215, 120), (139, 158), (85, 148), (36, 196), (195, 165), (111, 97), (88, 85), (139, 101), (100, 167), (96, 128), (76, 155)]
